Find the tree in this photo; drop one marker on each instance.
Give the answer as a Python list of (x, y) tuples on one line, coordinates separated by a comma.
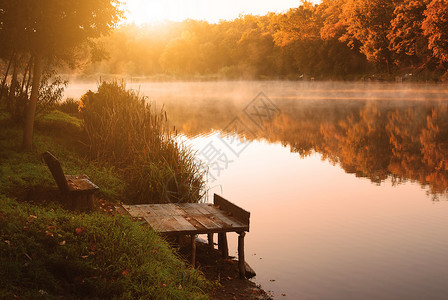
[(180, 55), (435, 27), (406, 35), (51, 31), (369, 22)]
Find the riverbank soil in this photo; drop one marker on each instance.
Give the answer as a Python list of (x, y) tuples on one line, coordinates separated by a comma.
[(225, 272)]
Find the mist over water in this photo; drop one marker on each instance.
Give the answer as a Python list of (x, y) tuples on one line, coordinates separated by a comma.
[(244, 91), (346, 182)]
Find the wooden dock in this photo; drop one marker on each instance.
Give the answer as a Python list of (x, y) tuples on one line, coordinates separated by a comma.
[(196, 218)]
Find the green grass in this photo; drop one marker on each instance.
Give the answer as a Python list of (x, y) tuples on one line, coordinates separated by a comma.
[(47, 252), (21, 171), (56, 253), (58, 118)]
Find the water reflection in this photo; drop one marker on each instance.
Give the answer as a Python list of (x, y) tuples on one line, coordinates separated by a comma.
[(316, 229), (378, 140)]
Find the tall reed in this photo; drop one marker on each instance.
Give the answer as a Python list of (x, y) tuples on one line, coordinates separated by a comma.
[(125, 130)]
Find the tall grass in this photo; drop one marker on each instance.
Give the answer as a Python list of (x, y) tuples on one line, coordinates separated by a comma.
[(125, 130)]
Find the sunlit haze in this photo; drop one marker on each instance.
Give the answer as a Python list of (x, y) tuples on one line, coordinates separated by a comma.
[(144, 11)]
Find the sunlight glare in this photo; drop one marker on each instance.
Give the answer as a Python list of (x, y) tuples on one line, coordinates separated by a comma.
[(144, 11)]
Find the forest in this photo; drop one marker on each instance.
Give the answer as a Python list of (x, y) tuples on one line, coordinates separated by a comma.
[(336, 39)]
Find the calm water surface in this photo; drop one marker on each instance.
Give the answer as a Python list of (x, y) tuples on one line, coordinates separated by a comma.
[(346, 182)]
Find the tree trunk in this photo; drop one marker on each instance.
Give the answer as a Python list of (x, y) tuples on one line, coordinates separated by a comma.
[(12, 87), (31, 106), (6, 76)]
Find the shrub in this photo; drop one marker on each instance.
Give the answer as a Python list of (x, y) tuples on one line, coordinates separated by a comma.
[(69, 106), (125, 130)]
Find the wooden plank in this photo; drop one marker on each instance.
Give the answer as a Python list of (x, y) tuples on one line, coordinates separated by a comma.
[(56, 170), (229, 221), (210, 241), (170, 224), (193, 250), (177, 211), (241, 261), (236, 211), (186, 218), (186, 225), (198, 226), (224, 225), (222, 244), (80, 184), (210, 208), (120, 210), (158, 210), (199, 207), (207, 222), (145, 209), (154, 223), (189, 209), (134, 211)]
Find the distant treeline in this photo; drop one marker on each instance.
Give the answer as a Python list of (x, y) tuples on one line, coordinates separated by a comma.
[(339, 39)]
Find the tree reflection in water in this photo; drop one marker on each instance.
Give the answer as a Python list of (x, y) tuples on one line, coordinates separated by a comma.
[(379, 140)]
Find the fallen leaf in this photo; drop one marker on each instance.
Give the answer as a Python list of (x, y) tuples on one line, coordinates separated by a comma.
[(51, 227), (79, 230), (48, 233), (125, 272), (62, 243)]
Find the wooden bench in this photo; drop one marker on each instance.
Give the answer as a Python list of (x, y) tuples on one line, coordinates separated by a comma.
[(77, 190), (180, 219)]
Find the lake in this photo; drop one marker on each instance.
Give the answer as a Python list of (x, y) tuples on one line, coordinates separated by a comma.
[(346, 182)]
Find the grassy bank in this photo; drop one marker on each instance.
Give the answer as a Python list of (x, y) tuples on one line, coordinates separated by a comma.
[(48, 252)]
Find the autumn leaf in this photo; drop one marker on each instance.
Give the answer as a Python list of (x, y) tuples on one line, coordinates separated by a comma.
[(79, 230)]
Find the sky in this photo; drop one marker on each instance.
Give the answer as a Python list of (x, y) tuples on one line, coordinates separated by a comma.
[(151, 11)]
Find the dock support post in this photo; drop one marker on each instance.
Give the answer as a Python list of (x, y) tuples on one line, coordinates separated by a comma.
[(193, 250), (222, 244), (241, 261), (210, 240)]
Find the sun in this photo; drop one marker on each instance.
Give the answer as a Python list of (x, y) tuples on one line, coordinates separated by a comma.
[(152, 11)]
